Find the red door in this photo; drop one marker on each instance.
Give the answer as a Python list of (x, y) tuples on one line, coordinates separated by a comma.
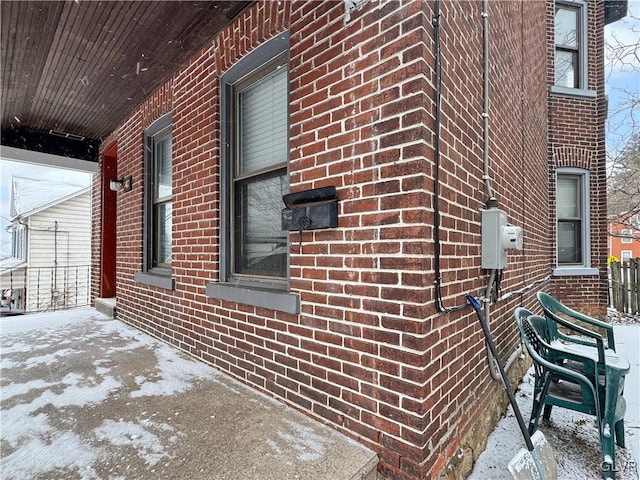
[(108, 230)]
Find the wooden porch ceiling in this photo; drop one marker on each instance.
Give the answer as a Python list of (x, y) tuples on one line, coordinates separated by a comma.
[(80, 67)]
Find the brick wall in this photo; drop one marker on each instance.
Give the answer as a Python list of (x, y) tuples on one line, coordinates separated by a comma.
[(369, 353), (577, 140)]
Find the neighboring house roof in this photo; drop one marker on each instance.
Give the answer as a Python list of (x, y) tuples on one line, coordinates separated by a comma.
[(10, 264), (29, 196)]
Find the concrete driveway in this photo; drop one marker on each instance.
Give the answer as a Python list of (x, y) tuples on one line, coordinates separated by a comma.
[(87, 397)]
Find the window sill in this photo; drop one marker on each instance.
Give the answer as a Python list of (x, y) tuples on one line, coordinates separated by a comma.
[(160, 281), (272, 299), (572, 92), (574, 271)]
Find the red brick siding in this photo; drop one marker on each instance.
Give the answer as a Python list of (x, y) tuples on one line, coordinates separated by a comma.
[(369, 353), (518, 169), (577, 140)]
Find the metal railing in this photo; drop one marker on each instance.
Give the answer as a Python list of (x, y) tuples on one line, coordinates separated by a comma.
[(44, 289)]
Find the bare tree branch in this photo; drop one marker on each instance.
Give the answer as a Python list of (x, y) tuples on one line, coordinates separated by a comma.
[(622, 51)]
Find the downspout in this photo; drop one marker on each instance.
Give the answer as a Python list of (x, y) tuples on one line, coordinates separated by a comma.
[(518, 353)]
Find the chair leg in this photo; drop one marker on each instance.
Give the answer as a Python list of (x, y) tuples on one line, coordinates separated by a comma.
[(608, 455), (619, 429), (536, 408), (547, 412)]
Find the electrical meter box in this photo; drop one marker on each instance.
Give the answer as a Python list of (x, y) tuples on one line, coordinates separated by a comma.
[(497, 238)]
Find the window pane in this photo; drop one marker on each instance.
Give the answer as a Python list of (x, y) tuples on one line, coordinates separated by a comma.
[(566, 27), (569, 243), (568, 203), (260, 244), (566, 66), (263, 129), (162, 156), (162, 234)]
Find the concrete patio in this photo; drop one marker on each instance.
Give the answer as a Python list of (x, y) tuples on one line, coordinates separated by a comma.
[(87, 397)]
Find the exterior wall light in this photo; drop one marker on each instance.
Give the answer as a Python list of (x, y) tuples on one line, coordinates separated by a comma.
[(121, 184)]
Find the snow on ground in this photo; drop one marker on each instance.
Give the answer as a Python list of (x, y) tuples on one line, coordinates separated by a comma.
[(621, 318), (18, 324), (573, 435), (84, 397), (36, 440)]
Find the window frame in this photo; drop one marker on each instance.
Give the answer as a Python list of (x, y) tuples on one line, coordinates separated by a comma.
[(582, 70), (156, 200), (237, 178), (626, 235), (19, 240), (584, 266), (158, 275), (268, 292)]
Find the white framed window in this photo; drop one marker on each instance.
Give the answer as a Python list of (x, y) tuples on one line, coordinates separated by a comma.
[(573, 250), (19, 241), (625, 256), (571, 56), (626, 236), (158, 205), (254, 250)]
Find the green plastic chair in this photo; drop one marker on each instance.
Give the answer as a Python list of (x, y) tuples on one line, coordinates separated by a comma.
[(594, 389), (582, 342), (559, 313)]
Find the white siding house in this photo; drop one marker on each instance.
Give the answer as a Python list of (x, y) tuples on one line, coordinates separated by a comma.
[(51, 230)]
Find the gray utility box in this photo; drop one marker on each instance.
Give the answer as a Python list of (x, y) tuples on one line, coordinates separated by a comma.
[(497, 238)]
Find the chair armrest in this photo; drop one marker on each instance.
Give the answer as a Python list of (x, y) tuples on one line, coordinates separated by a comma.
[(598, 341), (596, 323), (586, 357), (576, 339), (552, 307)]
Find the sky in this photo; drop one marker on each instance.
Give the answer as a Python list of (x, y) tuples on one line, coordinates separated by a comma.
[(619, 77), (622, 77)]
